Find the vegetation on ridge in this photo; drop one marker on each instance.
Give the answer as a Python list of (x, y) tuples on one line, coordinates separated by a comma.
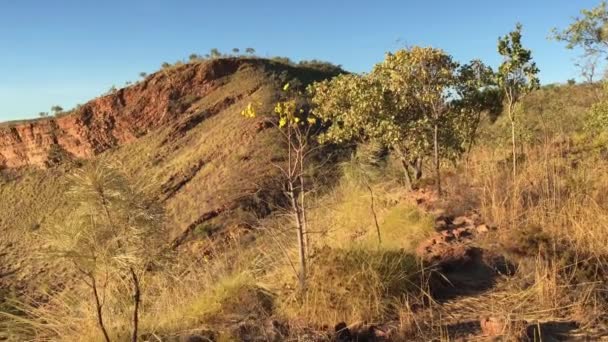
[(418, 201)]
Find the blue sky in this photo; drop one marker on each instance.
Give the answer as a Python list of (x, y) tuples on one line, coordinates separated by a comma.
[(66, 52)]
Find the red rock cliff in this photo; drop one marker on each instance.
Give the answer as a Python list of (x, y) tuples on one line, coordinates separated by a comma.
[(112, 119)]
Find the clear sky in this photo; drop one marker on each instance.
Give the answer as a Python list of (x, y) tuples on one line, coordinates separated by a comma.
[(65, 52)]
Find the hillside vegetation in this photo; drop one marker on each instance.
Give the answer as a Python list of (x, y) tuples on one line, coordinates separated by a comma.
[(424, 201)]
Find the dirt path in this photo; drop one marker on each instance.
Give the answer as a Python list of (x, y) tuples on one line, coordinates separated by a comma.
[(479, 293)]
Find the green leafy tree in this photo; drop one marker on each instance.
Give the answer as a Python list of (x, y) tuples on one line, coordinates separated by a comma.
[(165, 65), (359, 108), (590, 33), (143, 74), (43, 114), (477, 94), (250, 51), (516, 77), (215, 53), (297, 126), (236, 51), (421, 80), (56, 110), (109, 237), (403, 104)]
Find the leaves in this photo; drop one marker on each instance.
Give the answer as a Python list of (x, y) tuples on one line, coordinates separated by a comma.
[(517, 75), (396, 104), (249, 111), (590, 31), (112, 227), (289, 112)]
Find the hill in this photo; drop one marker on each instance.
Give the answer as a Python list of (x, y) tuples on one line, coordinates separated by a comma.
[(179, 130), (385, 263)]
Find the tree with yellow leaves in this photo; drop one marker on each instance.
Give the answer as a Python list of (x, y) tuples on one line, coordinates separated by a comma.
[(297, 126)]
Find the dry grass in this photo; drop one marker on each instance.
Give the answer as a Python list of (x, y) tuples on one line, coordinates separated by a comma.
[(552, 221)]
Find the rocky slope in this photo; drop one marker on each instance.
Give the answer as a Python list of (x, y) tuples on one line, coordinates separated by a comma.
[(180, 131), (114, 119)]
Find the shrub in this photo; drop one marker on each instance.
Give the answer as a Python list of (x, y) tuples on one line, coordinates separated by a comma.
[(355, 284)]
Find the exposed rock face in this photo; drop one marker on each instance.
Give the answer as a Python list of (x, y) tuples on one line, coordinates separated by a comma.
[(114, 119)]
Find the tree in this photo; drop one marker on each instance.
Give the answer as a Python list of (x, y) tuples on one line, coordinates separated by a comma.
[(193, 57), (589, 32), (477, 94), (43, 114), (235, 51), (215, 53), (360, 108), (403, 104), (422, 78), (109, 236), (297, 126), (250, 51), (517, 76), (56, 110), (587, 65), (143, 74)]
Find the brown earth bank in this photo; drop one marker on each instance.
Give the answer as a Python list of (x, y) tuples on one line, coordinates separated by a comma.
[(179, 131), (119, 117)]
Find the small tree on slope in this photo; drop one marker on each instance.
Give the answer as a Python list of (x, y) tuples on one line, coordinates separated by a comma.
[(109, 237), (517, 76), (297, 126)]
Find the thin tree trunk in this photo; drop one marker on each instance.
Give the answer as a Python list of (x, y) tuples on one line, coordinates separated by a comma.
[(436, 157), (371, 194), (99, 307), (303, 203), (417, 165), (513, 146), (136, 301), (406, 173), (300, 229)]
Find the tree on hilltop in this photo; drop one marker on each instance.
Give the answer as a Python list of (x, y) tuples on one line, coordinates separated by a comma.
[(56, 110)]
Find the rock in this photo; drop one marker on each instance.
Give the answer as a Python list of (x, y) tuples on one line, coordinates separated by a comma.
[(494, 327), (276, 330), (444, 254), (482, 229), (476, 218), (342, 333), (114, 119), (195, 338), (441, 225), (447, 234), (359, 332), (462, 232), (461, 221)]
